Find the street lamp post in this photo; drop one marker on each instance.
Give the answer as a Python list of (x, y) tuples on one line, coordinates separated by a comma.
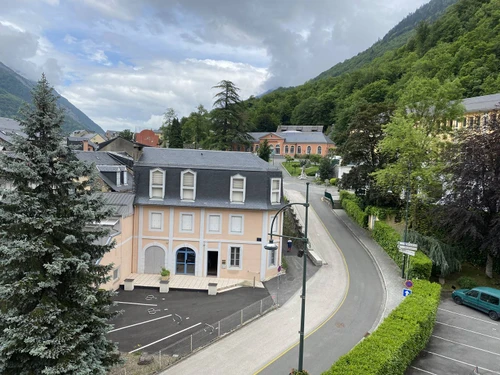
[(272, 247)]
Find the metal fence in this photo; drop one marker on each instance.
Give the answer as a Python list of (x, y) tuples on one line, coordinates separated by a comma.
[(200, 339)]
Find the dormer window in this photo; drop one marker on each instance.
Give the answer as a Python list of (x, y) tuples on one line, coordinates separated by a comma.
[(156, 184), (238, 184), (188, 185), (275, 190)]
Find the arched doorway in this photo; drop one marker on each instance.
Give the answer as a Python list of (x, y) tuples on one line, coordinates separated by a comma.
[(185, 261), (154, 259)]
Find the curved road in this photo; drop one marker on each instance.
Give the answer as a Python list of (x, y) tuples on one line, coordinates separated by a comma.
[(361, 309)]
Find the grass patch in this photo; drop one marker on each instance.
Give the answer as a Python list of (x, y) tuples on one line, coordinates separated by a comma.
[(130, 365), (292, 167), (474, 272)]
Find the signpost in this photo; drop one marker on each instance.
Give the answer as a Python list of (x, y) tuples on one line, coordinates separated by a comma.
[(407, 248)]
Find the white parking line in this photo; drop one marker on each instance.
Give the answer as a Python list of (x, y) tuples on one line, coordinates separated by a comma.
[(469, 346), (157, 341), (468, 330), (135, 303), (138, 324), (464, 363), (470, 317), (419, 369)]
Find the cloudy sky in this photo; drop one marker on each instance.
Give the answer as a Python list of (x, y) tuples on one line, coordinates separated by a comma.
[(124, 62)]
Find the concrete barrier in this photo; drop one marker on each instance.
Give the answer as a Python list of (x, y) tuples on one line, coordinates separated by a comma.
[(128, 285)]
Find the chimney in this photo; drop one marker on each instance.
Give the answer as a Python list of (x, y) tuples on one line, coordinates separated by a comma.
[(137, 151), (85, 145)]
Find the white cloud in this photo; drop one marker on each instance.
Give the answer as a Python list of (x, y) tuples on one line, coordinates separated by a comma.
[(123, 62)]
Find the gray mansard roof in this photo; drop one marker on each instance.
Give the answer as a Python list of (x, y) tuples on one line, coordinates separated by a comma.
[(483, 103), (213, 178)]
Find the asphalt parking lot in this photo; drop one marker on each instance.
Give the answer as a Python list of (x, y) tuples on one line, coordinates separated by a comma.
[(152, 321), (463, 338)]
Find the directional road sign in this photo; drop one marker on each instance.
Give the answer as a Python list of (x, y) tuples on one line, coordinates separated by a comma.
[(407, 248), (406, 292)]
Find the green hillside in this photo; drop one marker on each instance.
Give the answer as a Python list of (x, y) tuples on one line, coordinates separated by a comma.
[(395, 38), (15, 90), (462, 45)]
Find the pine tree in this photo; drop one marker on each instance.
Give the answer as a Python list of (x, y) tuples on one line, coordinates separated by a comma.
[(175, 136), (53, 316), (264, 151), (228, 123)]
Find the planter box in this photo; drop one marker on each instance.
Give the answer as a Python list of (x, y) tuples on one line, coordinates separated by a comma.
[(212, 289), (128, 285), (164, 287)]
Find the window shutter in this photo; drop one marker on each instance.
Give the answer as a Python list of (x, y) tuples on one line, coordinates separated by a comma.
[(238, 183), (155, 221), (276, 184), (275, 197), (236, 224), (237, 196), (188, 194), (187, 222), (157, 178), (157, 192), (214, 223), (188, 180)]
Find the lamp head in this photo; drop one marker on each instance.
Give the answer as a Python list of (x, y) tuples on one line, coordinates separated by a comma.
[(271, 245)]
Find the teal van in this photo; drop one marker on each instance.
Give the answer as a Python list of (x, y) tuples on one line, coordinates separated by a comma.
[(481, 298)]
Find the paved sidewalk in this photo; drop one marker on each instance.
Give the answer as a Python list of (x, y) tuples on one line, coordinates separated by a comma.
[(248, 349)]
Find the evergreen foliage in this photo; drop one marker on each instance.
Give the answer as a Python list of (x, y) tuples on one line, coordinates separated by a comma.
[(325, 168), (175, 135), (264, 151), (228, 125), (195, 129), (53, 316), (127, 134)]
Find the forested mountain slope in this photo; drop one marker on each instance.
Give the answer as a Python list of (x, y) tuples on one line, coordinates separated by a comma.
[(15, 89), (462, 45), (395, 38)]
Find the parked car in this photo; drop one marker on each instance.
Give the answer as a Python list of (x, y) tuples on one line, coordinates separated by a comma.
[(481, 298)]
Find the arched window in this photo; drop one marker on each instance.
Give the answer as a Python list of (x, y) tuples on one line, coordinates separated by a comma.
[(299, 150), (292, 149), (277, 150), (319, 150), (308, 150), (286, 149)]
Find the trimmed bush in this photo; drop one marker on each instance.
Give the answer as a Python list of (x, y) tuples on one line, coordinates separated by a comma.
[(398, 340), (466, 282), (333, 181), (354, 211), (387, 237)]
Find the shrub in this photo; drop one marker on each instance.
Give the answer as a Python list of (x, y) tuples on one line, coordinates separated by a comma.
[(333, 181), (354, 211), (466, 282), (387, 237), (398, 340)]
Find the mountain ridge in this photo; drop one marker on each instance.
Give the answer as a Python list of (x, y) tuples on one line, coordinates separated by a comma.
[(16, 90)]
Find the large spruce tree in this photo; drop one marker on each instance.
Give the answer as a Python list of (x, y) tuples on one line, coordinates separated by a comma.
[(53, 316)]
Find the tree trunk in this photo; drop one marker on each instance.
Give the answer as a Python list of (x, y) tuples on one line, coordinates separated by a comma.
[(489, 266)]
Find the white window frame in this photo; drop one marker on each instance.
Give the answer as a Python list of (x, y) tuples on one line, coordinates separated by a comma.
[(238, 176), (151, 186), (274, 228), (229, 266), (208, 224), (117, 271), (275, 191), (193, 188), (181, 221), (230, 231), (151, 213), (319, 150)]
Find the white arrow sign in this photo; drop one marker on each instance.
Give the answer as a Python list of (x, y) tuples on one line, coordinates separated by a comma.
[(407, 251), (407, 245)]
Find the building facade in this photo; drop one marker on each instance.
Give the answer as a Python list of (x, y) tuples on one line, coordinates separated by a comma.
[(203, 213), (294, 142)]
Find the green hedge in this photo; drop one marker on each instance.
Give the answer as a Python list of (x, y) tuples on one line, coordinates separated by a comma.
[(398, 340), (350, 203), (354, 211), (387, 237)]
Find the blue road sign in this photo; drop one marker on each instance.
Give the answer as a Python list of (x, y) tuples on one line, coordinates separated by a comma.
[(409, 283), (406, 292)]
